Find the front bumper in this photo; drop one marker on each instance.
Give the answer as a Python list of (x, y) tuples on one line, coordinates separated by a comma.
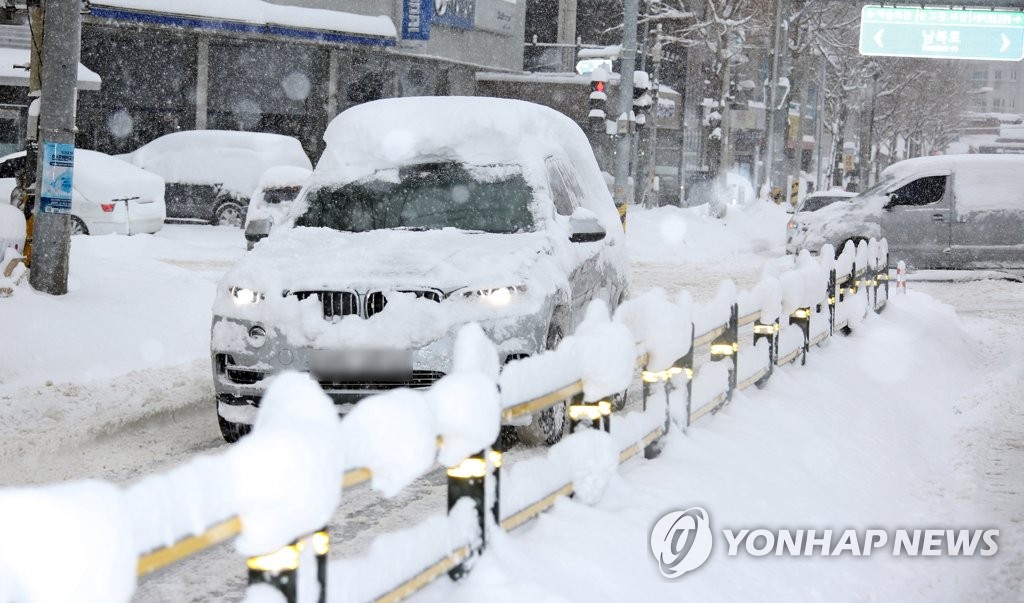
[(242, 371)]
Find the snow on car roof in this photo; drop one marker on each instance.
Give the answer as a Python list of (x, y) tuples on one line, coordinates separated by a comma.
[(102, 178), (234, 159), (909, 167), (477, 130)]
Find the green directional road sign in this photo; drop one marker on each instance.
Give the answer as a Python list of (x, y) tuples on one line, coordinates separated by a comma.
[(939, 33)]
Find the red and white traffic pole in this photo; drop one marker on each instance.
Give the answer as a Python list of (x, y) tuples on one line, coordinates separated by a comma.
[(901, 277)]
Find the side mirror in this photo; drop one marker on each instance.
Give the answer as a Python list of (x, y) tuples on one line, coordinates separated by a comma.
[(257, 230), (584, 227), (894, 200)]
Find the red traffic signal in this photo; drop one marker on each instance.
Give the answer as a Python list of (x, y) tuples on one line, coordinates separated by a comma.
[(597, 86)]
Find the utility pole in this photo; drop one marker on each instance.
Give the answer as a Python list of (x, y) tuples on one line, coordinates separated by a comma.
[(773, 98), (566, 35), (819, 125), (62, 36), (626, 67)]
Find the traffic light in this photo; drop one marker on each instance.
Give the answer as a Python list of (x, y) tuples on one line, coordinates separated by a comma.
[(598, 99), (641, 96)]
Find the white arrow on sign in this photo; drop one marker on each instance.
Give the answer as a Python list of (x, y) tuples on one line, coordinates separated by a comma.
[(878, 38), (1006, 43)]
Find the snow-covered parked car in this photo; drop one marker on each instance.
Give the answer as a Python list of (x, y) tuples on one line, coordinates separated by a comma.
[(278, 187), (211, 174), (423, 214), (948, 211), (108, 195)]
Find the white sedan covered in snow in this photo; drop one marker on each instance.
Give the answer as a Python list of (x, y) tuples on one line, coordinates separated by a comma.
[(109, 195), (424, 214)]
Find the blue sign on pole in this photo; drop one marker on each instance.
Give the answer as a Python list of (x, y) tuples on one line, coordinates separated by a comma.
[(58, 176), (942, 33)]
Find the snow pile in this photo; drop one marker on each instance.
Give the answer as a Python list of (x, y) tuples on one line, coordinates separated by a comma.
[(660, 327), (286, 475), (673, 234), (41, 564), (102, 178)]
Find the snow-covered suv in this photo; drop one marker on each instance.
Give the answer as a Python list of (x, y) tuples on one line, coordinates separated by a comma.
[(423, 214)]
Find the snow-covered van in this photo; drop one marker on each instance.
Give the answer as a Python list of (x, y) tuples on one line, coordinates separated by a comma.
[(947, 211)]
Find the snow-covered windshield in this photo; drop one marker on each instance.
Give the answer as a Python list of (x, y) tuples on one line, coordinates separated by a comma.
[(426, 196)]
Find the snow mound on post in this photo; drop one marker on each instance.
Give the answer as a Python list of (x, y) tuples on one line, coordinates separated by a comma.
[(467, 403), (661, 328), (394, 435), (716, 313), (285, 475), (605, 351), (68, 542), (591, 458)]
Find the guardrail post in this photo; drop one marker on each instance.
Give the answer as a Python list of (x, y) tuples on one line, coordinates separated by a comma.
[(769, 331), (727, 345), (597, 414), (278, 569), (886, 269), (802, 318), (832, 301), (469, 479), (321, 542), (686, 363)]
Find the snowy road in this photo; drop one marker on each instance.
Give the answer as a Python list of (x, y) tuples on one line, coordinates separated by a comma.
[(181, 423)]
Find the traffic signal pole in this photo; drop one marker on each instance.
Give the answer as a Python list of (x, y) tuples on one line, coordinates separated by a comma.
[(62, 34), (626, 67)]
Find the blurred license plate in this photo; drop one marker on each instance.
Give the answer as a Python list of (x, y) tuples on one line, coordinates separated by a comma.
[(361, 364)]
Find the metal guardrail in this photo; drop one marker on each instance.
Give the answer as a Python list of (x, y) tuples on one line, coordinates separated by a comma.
[(468, 479)]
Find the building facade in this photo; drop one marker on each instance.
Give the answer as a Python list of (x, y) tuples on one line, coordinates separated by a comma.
[(997, 86), (286, 67)]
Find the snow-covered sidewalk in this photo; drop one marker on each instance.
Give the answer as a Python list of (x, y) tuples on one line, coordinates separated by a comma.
[(890, 428)]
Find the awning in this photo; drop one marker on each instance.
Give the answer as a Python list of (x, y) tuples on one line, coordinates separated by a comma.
[(254, 17), (14, 64)]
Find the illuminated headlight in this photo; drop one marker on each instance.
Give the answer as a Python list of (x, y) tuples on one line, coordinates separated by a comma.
[(791, 225), (497, 296), (245, 297)]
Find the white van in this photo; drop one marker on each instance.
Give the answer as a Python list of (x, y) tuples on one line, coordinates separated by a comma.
[(949, 211)]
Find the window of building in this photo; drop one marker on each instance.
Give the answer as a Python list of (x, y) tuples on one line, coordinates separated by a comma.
[(997, 74)]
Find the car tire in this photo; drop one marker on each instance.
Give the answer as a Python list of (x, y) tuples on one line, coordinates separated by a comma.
[(229, 213), (78, 227), (231, 431), (549, 425)]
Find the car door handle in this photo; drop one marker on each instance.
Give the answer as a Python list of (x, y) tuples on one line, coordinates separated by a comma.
[(938, 218)]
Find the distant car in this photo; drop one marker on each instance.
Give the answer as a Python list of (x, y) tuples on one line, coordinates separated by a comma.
[(948, 211), (815, 201), (278, 187), (423, 214), (211, 174), (109, 195)]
